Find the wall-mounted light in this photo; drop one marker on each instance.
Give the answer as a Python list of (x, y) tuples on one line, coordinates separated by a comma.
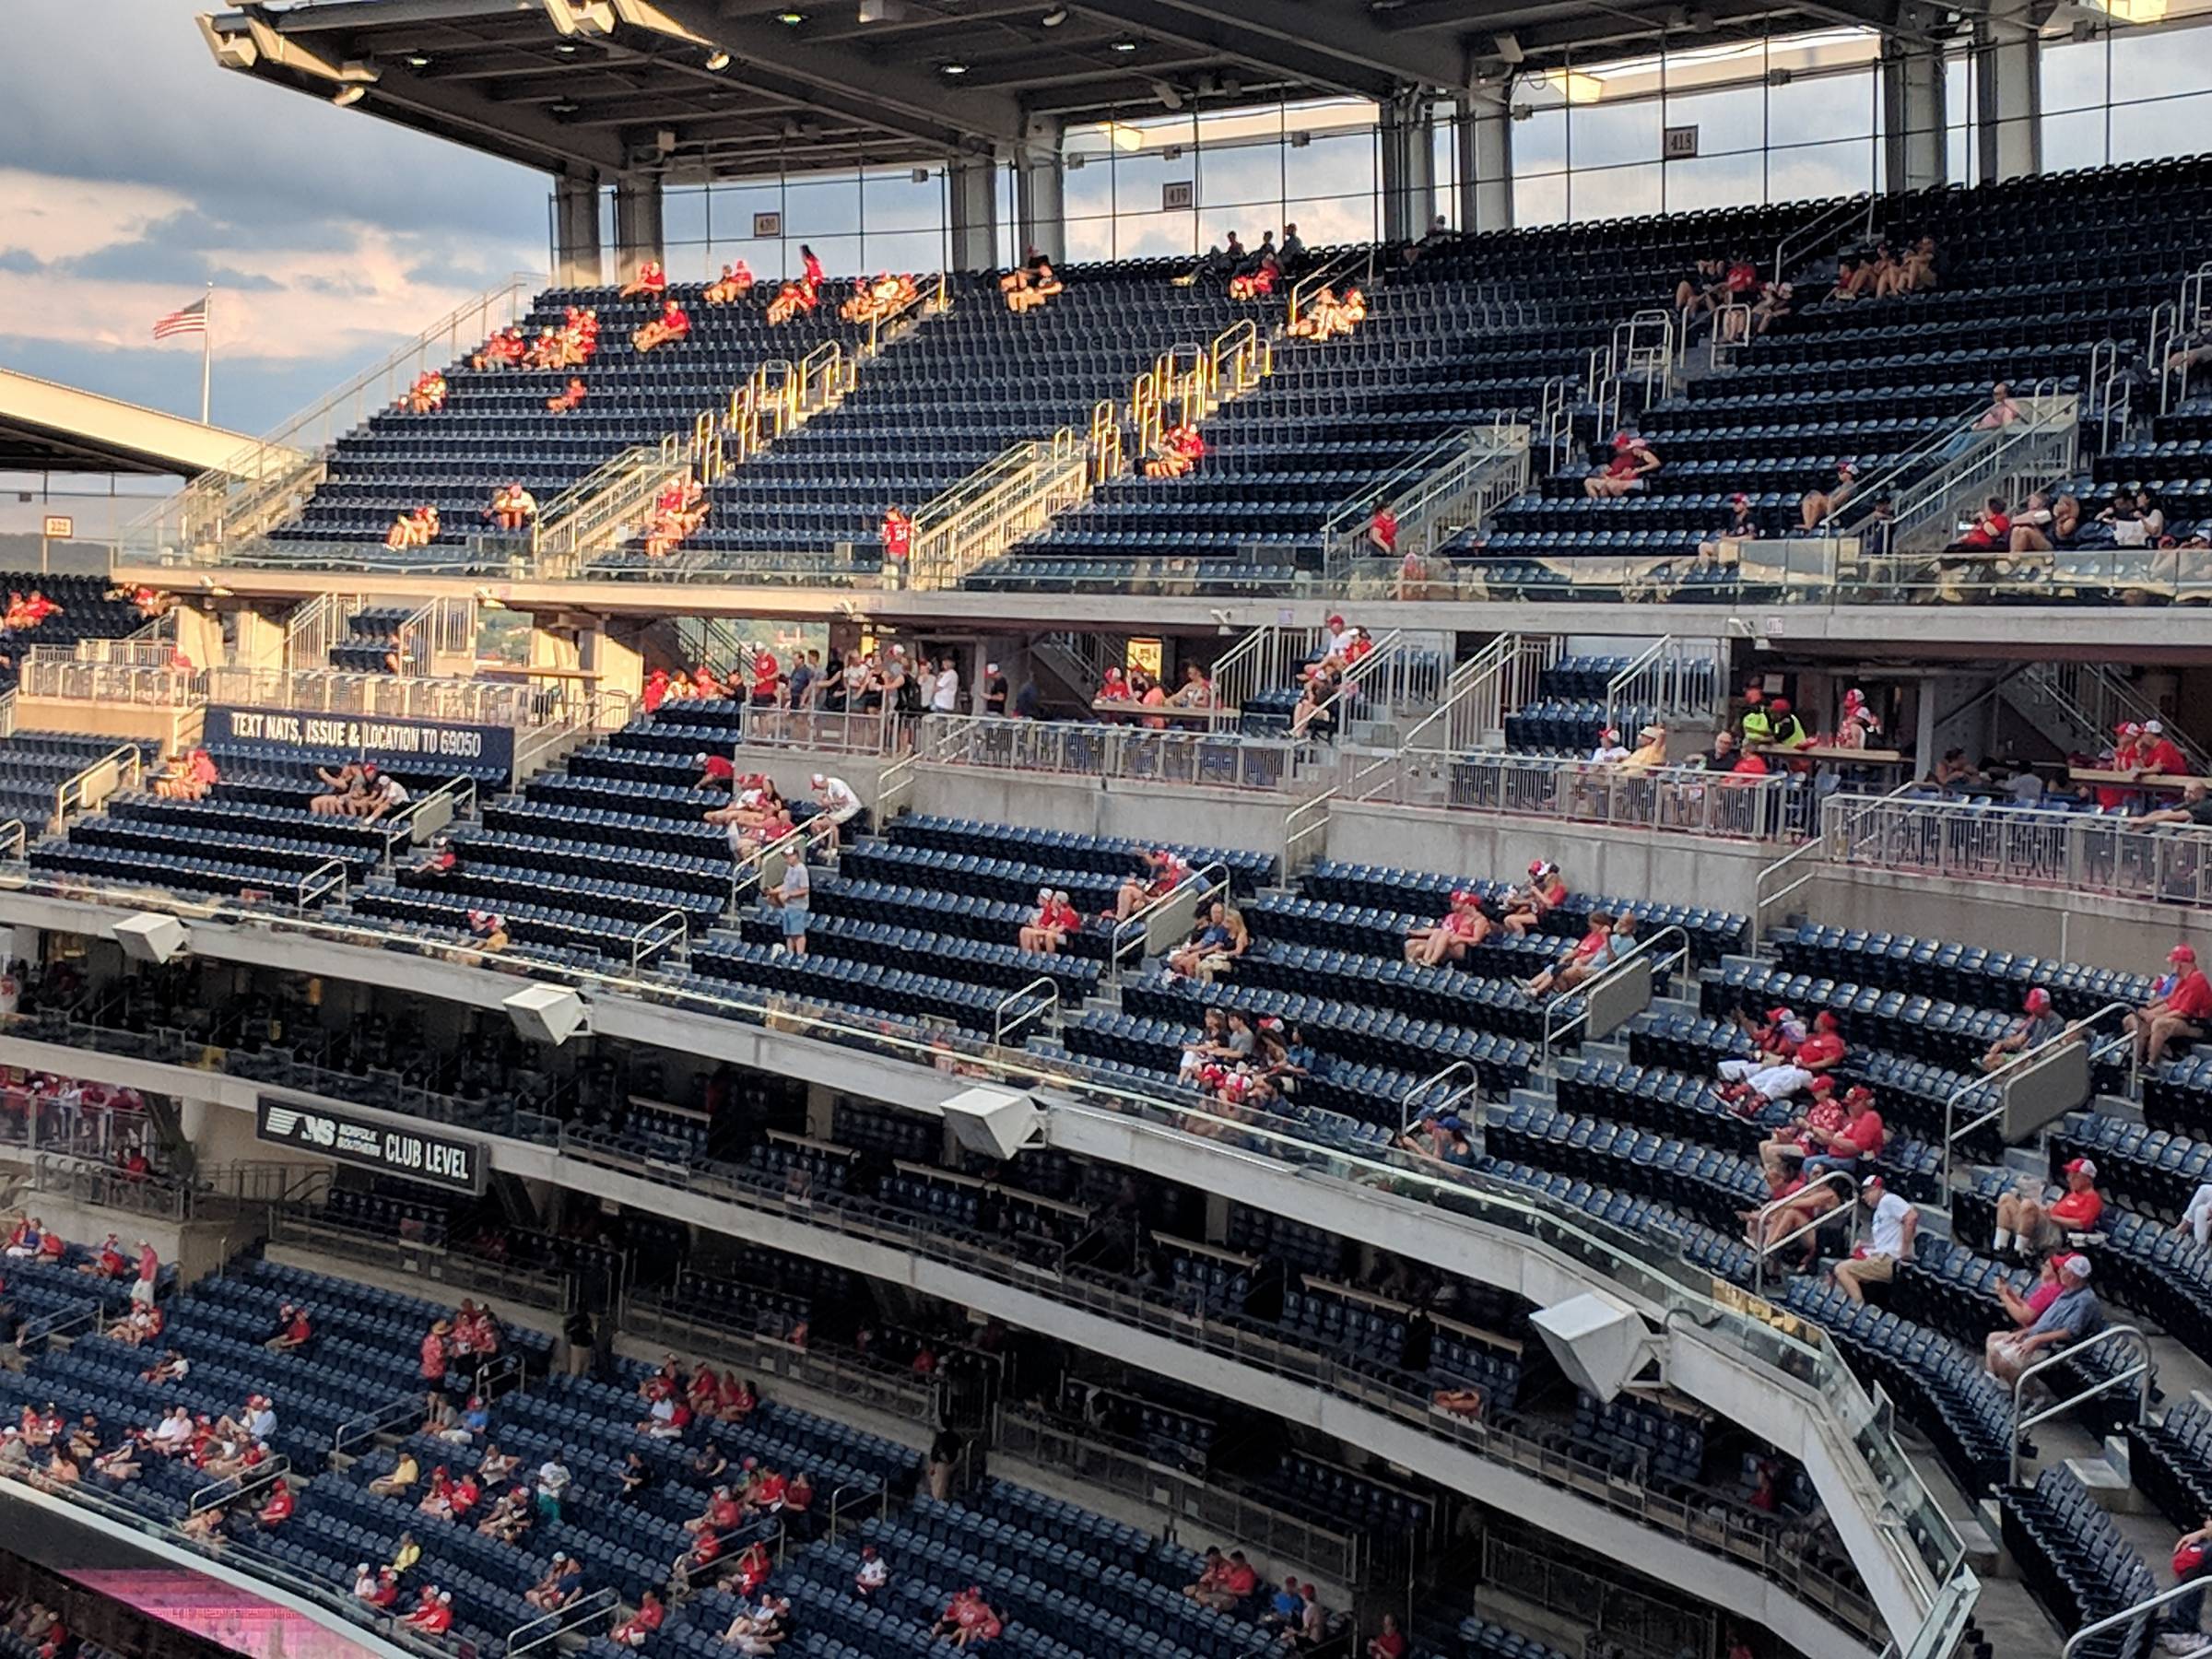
[(347, 97), (718, 61)]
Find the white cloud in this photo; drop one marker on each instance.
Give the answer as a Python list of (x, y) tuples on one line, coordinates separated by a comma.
[(54, 218)]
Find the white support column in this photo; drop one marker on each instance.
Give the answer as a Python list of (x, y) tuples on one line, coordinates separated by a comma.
[(576, 262), (1486, 162), (2008, 93), (1915, 140), (972, 190), (1408, 169), (1040, 190), (637, 225)]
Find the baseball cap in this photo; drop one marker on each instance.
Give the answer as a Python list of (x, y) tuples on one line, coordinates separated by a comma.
[(1648, 732), (2154, 728), (1857, 1093), (1739, 499), (1452, 1121), (1781, 705), (817, 780), (1779, 1013), (1822, 1085), (2082, 1166), (990, 667), (2077, 1263), (1044, 895), (2182, 953), (2039, 999), (1873, 1183)]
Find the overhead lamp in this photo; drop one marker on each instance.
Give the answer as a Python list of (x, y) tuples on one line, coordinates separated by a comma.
[(566, 48), (791, 19), (718, 61), (562, 107), (347, 97), (417, 61), (1053, 19), (1125, 45), (952, 69)]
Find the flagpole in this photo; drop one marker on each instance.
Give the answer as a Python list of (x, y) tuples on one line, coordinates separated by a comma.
[(206, 348)]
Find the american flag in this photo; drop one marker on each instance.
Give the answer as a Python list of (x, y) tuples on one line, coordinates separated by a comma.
[(190, 319)]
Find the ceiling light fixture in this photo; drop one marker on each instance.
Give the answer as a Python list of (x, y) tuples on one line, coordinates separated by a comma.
[(347, 97), (718, 61), (565, 49), (417, 61), (952, 69), (1125, 45), (791, 19), (1053, 19)]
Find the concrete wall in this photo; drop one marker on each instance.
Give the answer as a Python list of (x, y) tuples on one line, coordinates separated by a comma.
[(2104, 932), (169, 727), (1596, 858), (1201, 817)]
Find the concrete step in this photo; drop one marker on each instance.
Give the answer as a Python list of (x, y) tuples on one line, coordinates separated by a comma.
[(1603, 1051), (2108, 1485), (2119, 1106), (2028, 1160)]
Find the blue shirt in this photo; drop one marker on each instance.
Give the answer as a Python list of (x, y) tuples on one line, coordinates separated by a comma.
[(2077, 1312), (1289, 1605)]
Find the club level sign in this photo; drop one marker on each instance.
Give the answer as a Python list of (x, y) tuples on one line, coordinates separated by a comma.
[(1679, 144), (436, 1161)]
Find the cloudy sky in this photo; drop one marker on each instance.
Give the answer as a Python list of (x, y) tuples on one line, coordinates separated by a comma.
[(134, 172)]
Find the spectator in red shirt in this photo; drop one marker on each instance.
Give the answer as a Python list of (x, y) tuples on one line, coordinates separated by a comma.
[(435, 1615), (434, 1358), (633, 1630), (2030, 1220), (1389, 1642), (278, 1509), (1608, 939), (1857, 1143), (2160, 753), (715, 772), (2180, 1013), (1990, 531), (1527, 905)]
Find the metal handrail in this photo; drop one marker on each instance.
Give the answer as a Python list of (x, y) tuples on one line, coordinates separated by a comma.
[(335, 869), (244, 1482), (893, 784), (130, 762), (1051, 1002), (70, 1317), (1132, 925), (1766, 1252), (1326, 273), (1407, 1115), (1836, 218), (2139, 1374), (1816, 845), (462, 791), (2128, 1616), (553, 1626), (1354, 678), (1301, 823), (656, 935), (370, 1424), (15, 841), (1614, 970), (1620, 681), (2076, 1030)]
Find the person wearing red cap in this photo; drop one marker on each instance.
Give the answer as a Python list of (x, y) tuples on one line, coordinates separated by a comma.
[(1780, 1071), (1784, 729), (2181, 1012), (2030, 1220), (1799, 1132), (1742, 525), (1891, 1224), (1447, 939), (1857, 1143), (1162, 874), (1632, 464), (2038, 1024), (1817, 504), (1528, 904)]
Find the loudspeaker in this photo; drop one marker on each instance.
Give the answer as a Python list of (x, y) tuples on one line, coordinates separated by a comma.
[(545, 1014), (995, 1122), (147, 937), (1599, 1344)]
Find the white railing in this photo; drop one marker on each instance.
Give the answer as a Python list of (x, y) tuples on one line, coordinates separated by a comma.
[(1483, 690), (98, 683), (1266, 659), (1001, 504), (1094, 749), (825, 731), (1683, 800), (122, 767), (2020, 847), (1673, 678), (1836, 1181), (2095, 700), (390, 696), (668, 932), (313, 628), (2139, 1372), (439, 630), (139, 651), (2075, 1031), (1563, 1014), (1454, 484), (266, 482)]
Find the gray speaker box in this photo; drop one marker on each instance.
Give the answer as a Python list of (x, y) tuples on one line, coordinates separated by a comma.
[(1598, 1343), (547, 1014), (148, 937)]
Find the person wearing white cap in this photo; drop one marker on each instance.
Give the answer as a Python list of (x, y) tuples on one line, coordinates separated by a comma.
[(2074, 1314), (995, 691), (1650, 751), (1891, 1225), (840, 803), (2158, 754)]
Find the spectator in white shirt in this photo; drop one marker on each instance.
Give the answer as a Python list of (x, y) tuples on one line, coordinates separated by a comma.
[(1609, 750), (1891, 1225), (837, 799), (873, 1574), (945, 691), (2196, 1218)]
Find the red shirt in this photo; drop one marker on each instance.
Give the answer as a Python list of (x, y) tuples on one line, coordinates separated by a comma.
[(1391, 1644), (723, 1513), (652, 279), (1865, 1131), (2191, 999), (1239, 1580), (2164, 756), (1822, 1048), (2077, 1212), (279, 1506), (1385, 527), (434, 1358), (149, 1268), (722, 768), (677, 322), (764, 674), (1752, 765), (1591, 943), (898, 535), (436, 1619)]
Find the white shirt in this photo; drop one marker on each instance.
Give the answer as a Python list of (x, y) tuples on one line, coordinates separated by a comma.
[(2200, 1204), (875, 1574), (1341, 644), (838, 799), (1887, 1230), (171, 1428), (261, 1424), (394, 792), (945, 699), (1607, 755), (552, 1480)]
